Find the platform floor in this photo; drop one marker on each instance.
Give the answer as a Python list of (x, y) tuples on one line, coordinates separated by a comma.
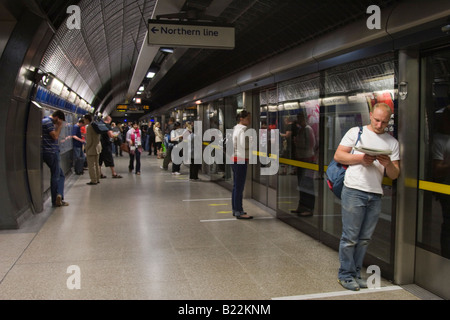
[(159, 236)]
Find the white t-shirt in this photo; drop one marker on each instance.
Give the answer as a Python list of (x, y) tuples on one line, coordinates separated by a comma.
[(240, 153), (368, 178)]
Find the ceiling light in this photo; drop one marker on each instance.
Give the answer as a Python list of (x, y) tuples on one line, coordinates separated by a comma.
[(150, 75), (141, 88), (45, 79), (166, 50)]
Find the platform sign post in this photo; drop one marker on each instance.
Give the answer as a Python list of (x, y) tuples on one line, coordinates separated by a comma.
[(192, 35)]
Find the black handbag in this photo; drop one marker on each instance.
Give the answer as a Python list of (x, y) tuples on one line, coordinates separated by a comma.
[(100, 127)]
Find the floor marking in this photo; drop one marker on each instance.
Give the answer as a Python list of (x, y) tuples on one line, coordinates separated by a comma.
[(224, 211), (192, 200), (218, 204), (338, 293), (234, 219), (215, 220)]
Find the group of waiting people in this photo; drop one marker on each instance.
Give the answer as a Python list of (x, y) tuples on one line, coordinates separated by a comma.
[(98, 147), (175, 134)]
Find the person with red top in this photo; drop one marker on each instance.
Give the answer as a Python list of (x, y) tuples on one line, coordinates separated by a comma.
[(135, 142)]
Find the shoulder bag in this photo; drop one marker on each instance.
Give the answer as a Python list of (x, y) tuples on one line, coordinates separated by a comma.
[(336, 173)]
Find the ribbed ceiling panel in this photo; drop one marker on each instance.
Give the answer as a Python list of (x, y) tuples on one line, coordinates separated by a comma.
[(95, 58)]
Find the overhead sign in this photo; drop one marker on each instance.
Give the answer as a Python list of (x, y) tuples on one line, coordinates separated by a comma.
[(195, 35)]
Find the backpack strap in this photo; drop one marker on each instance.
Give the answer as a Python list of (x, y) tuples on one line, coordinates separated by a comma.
[(359, 136)]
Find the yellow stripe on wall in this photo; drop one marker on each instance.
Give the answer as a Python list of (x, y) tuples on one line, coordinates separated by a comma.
[(300, 164), (434, 187)]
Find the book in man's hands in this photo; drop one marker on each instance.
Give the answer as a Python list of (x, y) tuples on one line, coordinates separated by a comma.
[(373, 152)]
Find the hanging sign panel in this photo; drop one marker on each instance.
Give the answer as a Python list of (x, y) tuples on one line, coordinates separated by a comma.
[(193, 35)]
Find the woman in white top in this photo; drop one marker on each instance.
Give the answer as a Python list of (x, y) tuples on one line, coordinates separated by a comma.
[(176, 136), (159, 138), (240, 164)]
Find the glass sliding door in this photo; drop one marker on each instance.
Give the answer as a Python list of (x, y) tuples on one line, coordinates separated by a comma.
[(298, 176), (264, 117)]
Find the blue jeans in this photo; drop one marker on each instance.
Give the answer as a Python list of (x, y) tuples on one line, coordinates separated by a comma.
[(360, 212), (57, 175), (137, 155), (239, 176)]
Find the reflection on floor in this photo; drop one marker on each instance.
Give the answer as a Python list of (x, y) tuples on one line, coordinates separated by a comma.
[(160, 236)]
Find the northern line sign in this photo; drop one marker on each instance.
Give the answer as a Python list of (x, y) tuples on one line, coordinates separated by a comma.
[(192, 35)]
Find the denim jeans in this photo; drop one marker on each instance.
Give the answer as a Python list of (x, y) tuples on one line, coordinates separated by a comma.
[(137, 155), (239, 177), (360, 212), (57, 175)]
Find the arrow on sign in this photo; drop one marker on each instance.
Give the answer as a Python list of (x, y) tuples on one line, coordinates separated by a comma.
[(154, 30)]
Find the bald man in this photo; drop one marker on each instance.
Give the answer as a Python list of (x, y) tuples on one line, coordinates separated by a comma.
[(362, 191)]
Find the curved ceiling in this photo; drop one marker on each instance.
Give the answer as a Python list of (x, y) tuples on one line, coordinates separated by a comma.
[(99, 60), (95, 60)]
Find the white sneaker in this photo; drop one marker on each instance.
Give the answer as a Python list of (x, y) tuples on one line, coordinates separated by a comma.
[(176, 173)]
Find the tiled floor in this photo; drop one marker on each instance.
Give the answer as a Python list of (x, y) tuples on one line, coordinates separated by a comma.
[(138, 238)]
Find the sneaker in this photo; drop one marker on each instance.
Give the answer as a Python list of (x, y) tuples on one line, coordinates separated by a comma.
[(238, 213), (349, 284), (58, 201), (244, 217), (361, 282), (176, 173)]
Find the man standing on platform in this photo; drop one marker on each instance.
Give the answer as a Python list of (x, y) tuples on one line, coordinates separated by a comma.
[(93, 149), (78, 142), (362, 191), (106, 154), (51, 128)]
